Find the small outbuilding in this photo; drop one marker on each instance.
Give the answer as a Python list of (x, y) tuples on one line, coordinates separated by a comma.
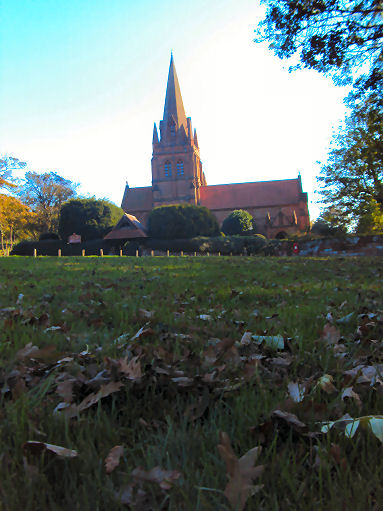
[(127, 228)]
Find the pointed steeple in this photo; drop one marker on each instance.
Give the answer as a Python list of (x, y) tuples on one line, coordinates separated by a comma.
[(174, 107), (155, 134), (195, 138)]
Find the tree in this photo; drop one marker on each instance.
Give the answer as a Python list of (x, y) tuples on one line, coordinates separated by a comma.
[(91, 218), (351, 179), (331, 36), (238, 222), (331, 222), (16, 221), (177, 221), (7, 164), (45, 193)]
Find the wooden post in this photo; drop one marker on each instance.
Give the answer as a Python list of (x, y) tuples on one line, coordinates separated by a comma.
[(152, 253), (207, 253), (167, 253), (195, 254), (34, 252), (59, 252), (101, 252), (137, 253), (182, 253), (219, 254), (231, 254), (120, 252), (83, 252)]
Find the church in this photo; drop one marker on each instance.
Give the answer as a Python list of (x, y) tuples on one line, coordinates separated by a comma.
[(279, 207)]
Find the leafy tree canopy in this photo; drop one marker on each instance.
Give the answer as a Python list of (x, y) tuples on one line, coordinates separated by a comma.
[(177, 221), (16, 220), (91, 218), (44, 194), (7, 164), (238, 222), (352, 178), (332, 36)]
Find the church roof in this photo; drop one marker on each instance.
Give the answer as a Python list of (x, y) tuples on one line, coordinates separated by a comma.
[(174, 106), (137, 199), (258, 194)]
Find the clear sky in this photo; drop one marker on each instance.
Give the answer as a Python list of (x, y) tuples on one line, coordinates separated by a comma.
[(83, 81)]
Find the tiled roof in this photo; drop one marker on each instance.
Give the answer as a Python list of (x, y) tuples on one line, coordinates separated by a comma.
[(127, 227), (258, 194), (137, 199)]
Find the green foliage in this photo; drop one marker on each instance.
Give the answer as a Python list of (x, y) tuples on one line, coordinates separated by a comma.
[(238, 222), (50, 247), (331, 36), (181, 221), (7, 164), (370, 219), (91, 218), (353, 175), (224, 244), (331, 222), (49, 236), (44, 194)]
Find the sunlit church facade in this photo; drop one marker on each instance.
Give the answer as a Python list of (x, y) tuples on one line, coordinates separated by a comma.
[(279, 207)]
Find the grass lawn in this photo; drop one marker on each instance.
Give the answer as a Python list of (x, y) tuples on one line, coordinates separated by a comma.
[(118, 377)]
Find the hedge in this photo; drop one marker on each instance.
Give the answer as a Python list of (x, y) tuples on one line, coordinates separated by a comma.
[(51, 247)]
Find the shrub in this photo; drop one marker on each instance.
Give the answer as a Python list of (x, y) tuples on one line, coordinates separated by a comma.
[(238, 222), (185, 221), (51, 247), (49, 236)]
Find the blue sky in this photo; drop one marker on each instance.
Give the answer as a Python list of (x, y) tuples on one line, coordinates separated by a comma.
[(83, 81)]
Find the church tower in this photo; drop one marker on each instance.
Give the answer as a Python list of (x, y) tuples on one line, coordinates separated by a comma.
[(177, 174)]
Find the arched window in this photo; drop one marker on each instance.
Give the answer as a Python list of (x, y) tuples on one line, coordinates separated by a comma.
[(180, 168), (168, 169)]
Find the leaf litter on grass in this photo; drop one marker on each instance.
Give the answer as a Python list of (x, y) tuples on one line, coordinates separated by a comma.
[(207, 363)]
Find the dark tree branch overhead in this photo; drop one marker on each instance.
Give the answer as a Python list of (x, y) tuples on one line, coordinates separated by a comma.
[(335, 37)]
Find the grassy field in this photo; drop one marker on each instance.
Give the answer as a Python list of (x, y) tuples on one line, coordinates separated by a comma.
[(119, 375)]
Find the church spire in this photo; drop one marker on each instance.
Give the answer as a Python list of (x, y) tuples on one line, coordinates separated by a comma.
[(155, 134), (174, 107)]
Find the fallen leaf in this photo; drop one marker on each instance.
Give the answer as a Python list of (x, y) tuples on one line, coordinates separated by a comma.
[(325, 383), (296, 392), (164, 478), (91, 399), (290, 418), (348, 392), (330, 334), (241, 472), (113, 458), (131, 369), (28, 350), (205, 317), (143, 313), (275, 342), (246, 338), (37, 448)]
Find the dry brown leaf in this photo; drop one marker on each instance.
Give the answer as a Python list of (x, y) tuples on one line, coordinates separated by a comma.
[(164, 478), (37, 448), (325, 382), (330, 334), (290, 418), (296, 392), (131, 369), (241, 472), (113, 458), (348, 392), (65, 390), (105, 390), (143, 313), (26, 352)]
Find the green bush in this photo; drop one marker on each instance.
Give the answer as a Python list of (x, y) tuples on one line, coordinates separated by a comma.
[(91, 218), (51, 247), (238, 222), (202, 244), (183, 221)]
